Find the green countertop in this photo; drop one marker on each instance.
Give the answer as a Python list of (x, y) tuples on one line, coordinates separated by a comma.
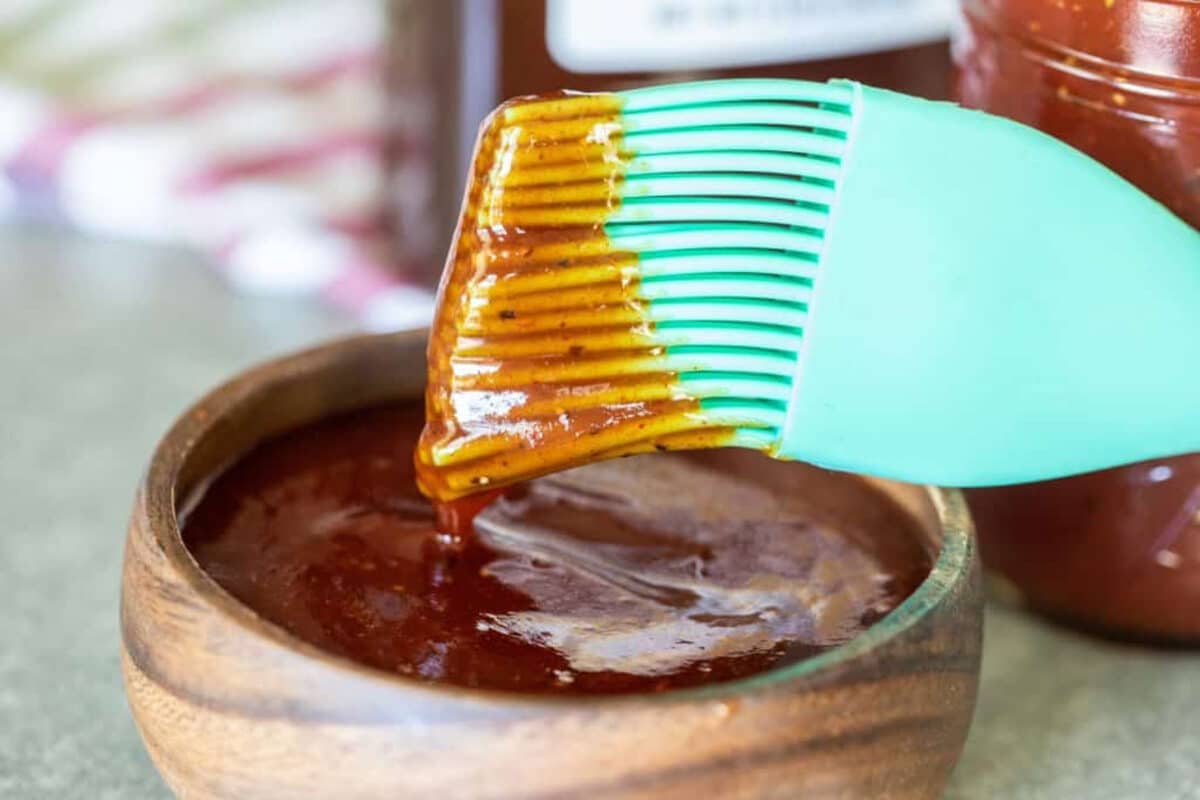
[(105, 342)]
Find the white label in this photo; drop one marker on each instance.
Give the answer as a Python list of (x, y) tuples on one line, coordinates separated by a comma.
[(661, 35)]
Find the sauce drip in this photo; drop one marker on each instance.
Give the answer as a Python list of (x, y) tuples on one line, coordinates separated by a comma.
[(456, 518), (642, 575), (541, 355)]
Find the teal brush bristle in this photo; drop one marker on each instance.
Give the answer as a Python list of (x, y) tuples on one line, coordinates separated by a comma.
[(726, 200)]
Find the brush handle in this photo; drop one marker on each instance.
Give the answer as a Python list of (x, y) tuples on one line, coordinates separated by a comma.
[(993, 307)]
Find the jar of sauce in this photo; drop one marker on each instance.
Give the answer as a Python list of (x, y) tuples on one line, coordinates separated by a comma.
[(1117, 550), (467, 55)]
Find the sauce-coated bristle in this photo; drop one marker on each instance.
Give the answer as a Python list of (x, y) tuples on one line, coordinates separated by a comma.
[(624, 281)]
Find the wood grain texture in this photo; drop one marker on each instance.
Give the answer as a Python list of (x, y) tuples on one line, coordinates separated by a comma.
[(231, 706)]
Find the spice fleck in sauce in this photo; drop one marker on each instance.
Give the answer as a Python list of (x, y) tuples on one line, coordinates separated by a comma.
[(639, 575), (541, 356)]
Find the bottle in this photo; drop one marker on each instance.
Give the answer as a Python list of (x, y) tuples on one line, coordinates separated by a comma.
[(457, 59), (1117, 550)]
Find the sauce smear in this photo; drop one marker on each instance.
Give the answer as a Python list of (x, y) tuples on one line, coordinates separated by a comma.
[(541, 355)]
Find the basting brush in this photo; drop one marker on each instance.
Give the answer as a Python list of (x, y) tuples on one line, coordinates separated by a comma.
[(823, 271)]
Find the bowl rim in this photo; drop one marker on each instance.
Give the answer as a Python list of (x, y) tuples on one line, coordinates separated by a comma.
[(158, 501)]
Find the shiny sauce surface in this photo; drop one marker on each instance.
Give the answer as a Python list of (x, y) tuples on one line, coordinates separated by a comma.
[(639, 575)]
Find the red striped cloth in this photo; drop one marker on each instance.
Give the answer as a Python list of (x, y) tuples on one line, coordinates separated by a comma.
[(252, 129)]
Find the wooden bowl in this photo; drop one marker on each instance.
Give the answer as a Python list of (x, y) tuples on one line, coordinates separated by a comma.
[(231, 706)]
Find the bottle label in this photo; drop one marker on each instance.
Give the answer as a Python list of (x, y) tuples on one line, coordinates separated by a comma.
[(594, 36)]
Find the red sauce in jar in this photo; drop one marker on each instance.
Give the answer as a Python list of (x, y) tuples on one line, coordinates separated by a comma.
[(1118, 79), (1117, 550), (639, 575)]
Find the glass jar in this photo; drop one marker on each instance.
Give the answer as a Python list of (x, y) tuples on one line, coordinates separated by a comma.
[(1117, 550), (1118, 79), (468, 55), (596, 46)]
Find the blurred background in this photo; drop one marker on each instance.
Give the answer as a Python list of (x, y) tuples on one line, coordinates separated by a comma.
[(190, 186), (319, 148)]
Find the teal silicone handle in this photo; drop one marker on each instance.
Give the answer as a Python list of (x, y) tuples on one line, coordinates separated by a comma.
[(993, 307)]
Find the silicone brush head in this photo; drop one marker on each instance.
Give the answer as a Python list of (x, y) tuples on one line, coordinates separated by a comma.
[(630, 272)]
